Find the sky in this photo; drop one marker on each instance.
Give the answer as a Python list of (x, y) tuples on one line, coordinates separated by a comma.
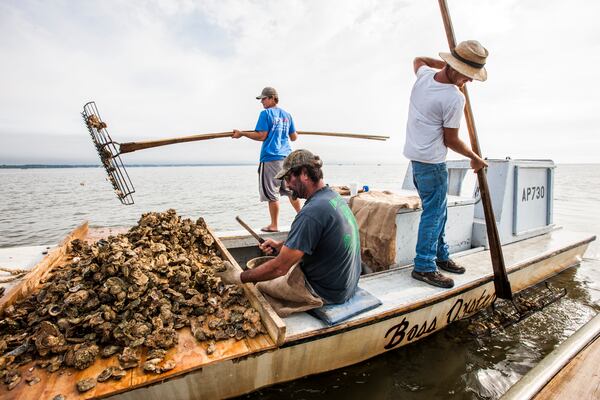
[(159, 69)]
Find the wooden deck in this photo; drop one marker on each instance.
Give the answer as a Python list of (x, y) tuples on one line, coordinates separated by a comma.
[(579, 379), (570, 371)]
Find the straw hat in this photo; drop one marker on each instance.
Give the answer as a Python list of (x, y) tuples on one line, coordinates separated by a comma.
[(468, 58)]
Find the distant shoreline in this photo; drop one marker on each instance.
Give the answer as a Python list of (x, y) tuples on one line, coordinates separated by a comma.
[(61, 166), (52, 166)]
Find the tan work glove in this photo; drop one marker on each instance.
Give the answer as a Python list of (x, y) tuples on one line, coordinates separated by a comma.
[(230, 276)]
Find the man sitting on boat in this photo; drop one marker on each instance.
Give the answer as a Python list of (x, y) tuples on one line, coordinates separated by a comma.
[(434, 114), (319, 262)]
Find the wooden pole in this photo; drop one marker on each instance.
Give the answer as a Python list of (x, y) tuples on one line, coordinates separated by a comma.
[(501, 283), (133, 146), (345, 135), (147, 144)]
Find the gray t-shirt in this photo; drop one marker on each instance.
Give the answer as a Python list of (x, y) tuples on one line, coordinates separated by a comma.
[(326, 231), (433, 106)]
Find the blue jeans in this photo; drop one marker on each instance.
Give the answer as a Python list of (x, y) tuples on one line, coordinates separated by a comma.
[(431, 181)]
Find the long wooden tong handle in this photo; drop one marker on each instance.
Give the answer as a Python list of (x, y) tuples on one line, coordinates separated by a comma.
[(251, 231), (346, 135), (146, 144), (501, 282)]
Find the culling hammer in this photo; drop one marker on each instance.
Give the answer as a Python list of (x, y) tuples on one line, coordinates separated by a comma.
[(258, 238)]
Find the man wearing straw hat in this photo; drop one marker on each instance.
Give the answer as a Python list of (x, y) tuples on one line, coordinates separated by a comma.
[(275, 128), (434, 115)]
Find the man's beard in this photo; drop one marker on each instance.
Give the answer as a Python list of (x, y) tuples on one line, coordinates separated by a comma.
[(300, 192)]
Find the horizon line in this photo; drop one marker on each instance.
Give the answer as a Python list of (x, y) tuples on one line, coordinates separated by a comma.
[(144, 165)]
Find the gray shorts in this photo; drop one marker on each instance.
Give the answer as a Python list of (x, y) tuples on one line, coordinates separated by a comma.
[(270, 188)]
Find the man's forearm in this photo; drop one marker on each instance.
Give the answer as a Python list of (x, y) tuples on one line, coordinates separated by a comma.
[(274, 268), (461, 148), (270, 270), (254, 135)]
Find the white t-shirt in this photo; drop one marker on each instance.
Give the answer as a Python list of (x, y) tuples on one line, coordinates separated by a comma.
[(433, 106)]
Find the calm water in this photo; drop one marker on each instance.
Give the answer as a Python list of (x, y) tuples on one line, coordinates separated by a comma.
[(42, 206)]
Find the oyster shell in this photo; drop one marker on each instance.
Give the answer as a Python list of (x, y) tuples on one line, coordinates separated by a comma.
[(32, 380), (86, 384), (109, 350), (129, 358), (118, 373), (152, 365), (168, 365), (157, 353), (12, 378), (105, 374), (211, 348), (82, 356)]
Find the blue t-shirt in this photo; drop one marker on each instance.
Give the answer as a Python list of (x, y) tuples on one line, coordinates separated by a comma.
[(279, 124), (327, 232)]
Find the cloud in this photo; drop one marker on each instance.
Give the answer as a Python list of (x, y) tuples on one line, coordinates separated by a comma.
[(169, 68)]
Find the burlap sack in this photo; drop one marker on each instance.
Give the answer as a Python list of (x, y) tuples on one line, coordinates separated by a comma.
[(375, 213), (288, 294)]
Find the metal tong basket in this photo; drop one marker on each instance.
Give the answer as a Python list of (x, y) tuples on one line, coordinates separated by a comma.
[(108, 151)]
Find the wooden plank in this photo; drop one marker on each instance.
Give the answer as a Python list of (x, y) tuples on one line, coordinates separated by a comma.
[(579, 379), (42, 269), (274, 325), (259, 342), (189, 356), (95, 234)]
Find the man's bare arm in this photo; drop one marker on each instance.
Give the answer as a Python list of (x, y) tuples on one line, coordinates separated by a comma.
[(453, 142), (293, 136), (275, 268), (430, 62), (259, 136)]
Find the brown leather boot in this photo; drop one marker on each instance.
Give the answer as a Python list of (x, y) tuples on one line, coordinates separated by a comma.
[(434, 278), (450, 266)]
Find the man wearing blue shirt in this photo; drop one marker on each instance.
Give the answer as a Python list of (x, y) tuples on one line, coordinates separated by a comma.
[(275, 128)]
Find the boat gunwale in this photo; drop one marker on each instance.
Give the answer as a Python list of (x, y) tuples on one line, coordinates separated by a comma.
[(430, 300)]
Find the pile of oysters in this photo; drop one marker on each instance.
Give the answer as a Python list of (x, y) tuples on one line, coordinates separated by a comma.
[(122, 295)]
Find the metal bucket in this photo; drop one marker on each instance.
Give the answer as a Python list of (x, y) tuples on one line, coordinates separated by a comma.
[(255, 262)]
